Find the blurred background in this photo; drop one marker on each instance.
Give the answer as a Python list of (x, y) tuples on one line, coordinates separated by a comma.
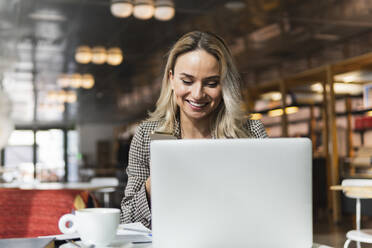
[(77, 76)]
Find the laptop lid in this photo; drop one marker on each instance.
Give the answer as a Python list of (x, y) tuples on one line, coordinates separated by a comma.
[(231, 193)]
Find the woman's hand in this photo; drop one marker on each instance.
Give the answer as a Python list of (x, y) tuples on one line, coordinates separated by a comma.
[(148, 187)]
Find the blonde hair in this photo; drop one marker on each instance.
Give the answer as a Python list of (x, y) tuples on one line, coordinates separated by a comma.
[(228, 120)]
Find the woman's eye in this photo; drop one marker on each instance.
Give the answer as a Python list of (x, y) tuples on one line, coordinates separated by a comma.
[(187, 82), (212, 84)]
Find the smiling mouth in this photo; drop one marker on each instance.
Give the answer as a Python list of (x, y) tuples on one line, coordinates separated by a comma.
[(197, 105)]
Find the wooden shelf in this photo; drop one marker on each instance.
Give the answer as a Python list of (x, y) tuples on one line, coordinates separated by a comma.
[(362, 130), (305, 120), (355, 112)]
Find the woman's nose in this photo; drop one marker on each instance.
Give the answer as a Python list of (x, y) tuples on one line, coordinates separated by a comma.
[(197, 91)]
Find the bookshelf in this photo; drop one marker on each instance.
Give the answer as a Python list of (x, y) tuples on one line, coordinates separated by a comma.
[(330, 115)]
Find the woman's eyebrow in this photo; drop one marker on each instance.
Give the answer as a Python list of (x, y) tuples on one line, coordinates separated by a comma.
[(211, 78), (215, 77), (186, 75)]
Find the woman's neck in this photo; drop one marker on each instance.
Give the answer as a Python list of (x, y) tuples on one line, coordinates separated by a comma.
[(191, 129)]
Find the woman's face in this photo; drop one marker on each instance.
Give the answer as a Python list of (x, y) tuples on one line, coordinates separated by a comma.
[(196, 84)]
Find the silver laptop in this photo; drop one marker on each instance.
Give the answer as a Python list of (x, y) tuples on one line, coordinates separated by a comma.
[(231, 193)]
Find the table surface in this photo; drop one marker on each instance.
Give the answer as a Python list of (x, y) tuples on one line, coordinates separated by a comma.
[(16, 242), (68, 185), (150, 246)]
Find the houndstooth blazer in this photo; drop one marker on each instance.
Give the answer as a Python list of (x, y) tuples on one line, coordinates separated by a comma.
[(135, 206)]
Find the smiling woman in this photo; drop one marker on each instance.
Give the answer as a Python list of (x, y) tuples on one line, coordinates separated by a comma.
[(200, 98), (197, 90)]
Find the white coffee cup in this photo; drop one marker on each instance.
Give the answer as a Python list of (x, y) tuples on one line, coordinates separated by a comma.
[(95, 225)]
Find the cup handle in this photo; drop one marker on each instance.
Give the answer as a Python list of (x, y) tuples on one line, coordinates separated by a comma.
[(64, 220)]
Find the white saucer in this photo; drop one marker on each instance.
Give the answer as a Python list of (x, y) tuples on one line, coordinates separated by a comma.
[(114, 244)]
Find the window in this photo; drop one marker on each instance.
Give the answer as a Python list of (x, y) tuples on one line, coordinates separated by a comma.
[(49, 150), (18, 157), (50, 165)]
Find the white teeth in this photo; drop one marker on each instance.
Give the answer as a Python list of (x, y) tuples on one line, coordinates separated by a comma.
[(197, 104)]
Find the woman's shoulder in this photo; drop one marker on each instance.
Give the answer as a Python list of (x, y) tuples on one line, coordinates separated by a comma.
[(256, 128), (148, 126), (143, 131)]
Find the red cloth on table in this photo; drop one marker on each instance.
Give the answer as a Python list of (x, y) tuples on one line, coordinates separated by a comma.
[(32, 213)]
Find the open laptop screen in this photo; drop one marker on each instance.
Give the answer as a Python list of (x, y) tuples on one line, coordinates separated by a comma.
[(231, 193)]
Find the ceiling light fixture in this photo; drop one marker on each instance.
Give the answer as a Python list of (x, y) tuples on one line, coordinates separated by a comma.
[(75, 80), (99, 55), (52, 96), (64, 81), (87, 81), (114, 56), (164, 10), (235, 5), (143, 9), (61, 96), (121, 8), (47, 15), (83, 55), (71, 96)]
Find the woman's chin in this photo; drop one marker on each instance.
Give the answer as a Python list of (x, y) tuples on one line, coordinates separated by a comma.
[(197, 115)]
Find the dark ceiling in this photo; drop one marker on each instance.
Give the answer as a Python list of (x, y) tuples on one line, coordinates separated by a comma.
[(294, 29)]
